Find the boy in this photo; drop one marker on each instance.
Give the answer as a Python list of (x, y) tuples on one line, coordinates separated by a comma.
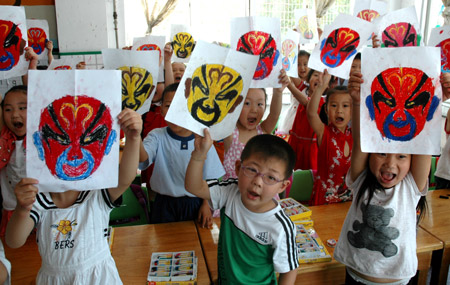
[(170, 148), (256, 237)]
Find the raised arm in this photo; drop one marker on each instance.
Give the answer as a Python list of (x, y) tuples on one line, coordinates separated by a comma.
[(131, 124), (420, 168), (32, 57), (359, 158), (168, 73), (21, 224), (275, 105), (49, 46), (194, 182), (311, 109), (301, 97)]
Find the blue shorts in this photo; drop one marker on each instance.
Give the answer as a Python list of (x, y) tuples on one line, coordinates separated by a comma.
[(167, 209)]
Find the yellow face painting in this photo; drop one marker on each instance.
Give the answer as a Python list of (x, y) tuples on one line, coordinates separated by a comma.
[(182, 45), (213, 91), (137, 85)]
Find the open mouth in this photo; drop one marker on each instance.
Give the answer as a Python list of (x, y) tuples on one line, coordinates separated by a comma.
[(387, 177), (177, 78), (339, 120), (252, 195), (251, 120), (18, 125)]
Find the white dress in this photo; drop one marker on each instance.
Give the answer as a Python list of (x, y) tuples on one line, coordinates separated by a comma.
[(73, 241)]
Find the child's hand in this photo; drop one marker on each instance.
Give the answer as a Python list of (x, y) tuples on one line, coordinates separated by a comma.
[(376, 43), (131, 123), (354, 86), (284, 79), (445, 82), (324, 78), (202, 146), (26, 192), (168, 51), (49, 46), (126, 48), (81, 65), (30, 55), (205, 216)]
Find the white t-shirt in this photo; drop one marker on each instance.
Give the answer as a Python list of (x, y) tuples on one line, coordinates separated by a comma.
[(443, 166), (10, 175), (383, 243)]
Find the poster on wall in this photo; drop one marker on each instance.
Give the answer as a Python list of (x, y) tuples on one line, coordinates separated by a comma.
[(38, 36), (399, 28), (289, 52), (369, 9), (73, 133), (139, 76), (13, 40), (338, 45), (213, 90), (440, 37), (400, 100), (183, 42), (152, 43), (306, 25), (259, 36)]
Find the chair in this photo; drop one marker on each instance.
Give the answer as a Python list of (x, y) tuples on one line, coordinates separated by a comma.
[(134, 209), (302, 185)]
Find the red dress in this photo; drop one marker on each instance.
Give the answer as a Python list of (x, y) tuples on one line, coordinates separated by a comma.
[(303, 140), (329, 184)]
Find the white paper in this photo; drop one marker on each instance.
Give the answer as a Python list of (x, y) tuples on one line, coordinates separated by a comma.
[(440, 37), (38, 36), (152, 43), (289, 53), (213, 56), (139, 78), (259, 35), (74, 170), (64, 63), (306, 25), (369, 9), (14, 64), (399, 28), (350, 31), (183, 42), (406, 129)]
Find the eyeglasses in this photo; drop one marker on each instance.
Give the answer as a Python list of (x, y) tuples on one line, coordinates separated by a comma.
[(267, 179)]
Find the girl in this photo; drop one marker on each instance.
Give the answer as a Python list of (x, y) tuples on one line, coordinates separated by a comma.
[(299, 84), (302, 138), (378, 239), (334, 141), (249, 123), (442, 174), (72, 226)]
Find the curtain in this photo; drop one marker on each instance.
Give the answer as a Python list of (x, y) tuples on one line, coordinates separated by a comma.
[(446, 12), (322, 7), (157, 15)]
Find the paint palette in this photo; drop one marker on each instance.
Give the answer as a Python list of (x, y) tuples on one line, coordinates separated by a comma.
[(172, 266), (295, 210), (310, 248)]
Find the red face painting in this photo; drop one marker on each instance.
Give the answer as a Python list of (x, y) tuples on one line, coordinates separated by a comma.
[(11, 44), (368, 15), (63, 67), (445, 55), (262, 44), (75, 132), (401, 101), (37, 39), (399, 35), (340, 45)]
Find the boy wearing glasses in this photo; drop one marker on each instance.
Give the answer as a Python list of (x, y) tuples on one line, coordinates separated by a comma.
[(256, 237)]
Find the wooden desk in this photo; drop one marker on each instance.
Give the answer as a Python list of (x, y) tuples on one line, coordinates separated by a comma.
[(133, 246), (437, 223), (328, 220), (25, 261)]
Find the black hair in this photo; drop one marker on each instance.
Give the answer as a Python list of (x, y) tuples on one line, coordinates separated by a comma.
[(357, 56), (271, 146), (371, 184), (303, 53), (171, 88), (20, 88)]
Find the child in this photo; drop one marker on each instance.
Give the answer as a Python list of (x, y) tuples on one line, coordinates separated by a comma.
[(72, 225), (334, 141), (169, 149), (356, 66), (302, 138), (256, 237), (173, 72), (442, 174), (387, 187), (249, 123), (287, 120)]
